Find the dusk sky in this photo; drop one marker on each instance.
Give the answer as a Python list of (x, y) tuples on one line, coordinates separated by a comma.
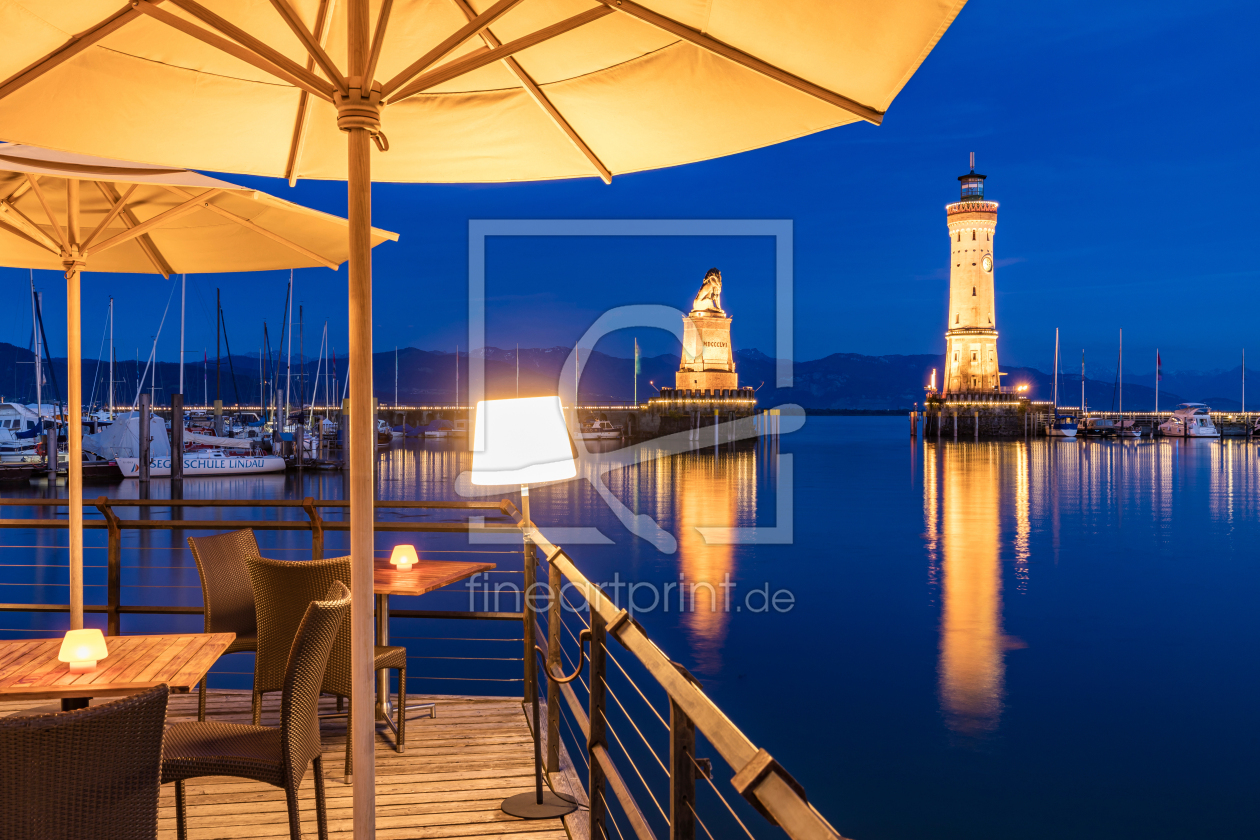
[(1119, 139)]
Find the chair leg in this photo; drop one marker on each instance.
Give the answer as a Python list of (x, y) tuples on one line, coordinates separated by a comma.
[(349, 739), (402, 710), (295, 817), (321, 809), (181, 812), (257, 707), (201, 700)]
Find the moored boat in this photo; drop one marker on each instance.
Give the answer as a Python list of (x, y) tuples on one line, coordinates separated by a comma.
[(598, 430), (1062, 426), (1190, 420)]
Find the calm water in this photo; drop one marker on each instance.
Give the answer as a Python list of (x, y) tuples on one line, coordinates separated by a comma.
[(987, 639)]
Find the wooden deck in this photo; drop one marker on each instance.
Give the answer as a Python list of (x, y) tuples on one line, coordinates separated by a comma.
[(457, 769)]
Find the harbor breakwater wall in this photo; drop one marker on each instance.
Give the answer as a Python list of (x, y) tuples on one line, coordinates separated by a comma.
[(1008, 421)]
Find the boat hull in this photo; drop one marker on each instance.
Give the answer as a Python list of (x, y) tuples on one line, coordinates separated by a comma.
[(196, 465)]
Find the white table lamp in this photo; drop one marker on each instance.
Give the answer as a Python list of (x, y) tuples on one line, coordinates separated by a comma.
[(404, 557), (81, 649)]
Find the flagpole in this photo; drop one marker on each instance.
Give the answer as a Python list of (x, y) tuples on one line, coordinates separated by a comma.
[(1158, 376)]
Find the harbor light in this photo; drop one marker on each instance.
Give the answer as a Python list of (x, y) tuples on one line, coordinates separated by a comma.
[(82, 649), (404, 557), (1021, 388)]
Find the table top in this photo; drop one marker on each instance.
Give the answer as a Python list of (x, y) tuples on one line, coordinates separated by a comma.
[(423, 577), (29, 667)]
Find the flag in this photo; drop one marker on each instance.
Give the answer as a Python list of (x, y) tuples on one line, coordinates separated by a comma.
[(1159, 368), (637, 371)]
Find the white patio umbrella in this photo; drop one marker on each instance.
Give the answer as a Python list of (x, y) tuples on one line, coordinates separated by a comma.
[(76, 213), (467, 90)]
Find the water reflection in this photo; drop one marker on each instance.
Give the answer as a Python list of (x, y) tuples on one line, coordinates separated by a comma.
[(971, 668)]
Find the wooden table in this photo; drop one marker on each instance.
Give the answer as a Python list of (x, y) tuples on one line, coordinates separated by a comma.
[(422, 578), (29, 669)]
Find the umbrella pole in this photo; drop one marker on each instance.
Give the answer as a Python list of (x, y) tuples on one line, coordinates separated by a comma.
[(74, 435), (359, 122)]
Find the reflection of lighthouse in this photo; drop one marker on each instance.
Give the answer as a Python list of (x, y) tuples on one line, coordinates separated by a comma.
[(971, 668)]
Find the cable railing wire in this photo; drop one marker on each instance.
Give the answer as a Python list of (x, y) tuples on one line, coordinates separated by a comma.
[(636, 729), (636, 687), (626, 752), (719, 795)]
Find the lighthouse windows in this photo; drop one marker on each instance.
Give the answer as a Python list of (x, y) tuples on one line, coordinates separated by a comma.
[(973, 291), (955, 318), (973, 236), (960, 236)]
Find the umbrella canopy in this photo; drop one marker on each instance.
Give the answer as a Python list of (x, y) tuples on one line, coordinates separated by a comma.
[(477, 90), (75, 212), (462, 90), (139, 218)]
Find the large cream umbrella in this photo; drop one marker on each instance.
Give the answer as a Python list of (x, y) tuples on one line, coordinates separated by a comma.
[(76, 213), (466, 90)]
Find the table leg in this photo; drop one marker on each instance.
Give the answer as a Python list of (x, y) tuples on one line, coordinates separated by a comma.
[(384, 706)]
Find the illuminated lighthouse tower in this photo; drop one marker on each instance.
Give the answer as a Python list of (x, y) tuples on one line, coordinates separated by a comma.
[(971, 361)]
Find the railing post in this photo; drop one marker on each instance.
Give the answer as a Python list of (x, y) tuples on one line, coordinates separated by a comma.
[(317, 528), (113, 583), (598, 727), (682, 774), (531, 671), (553, 666)]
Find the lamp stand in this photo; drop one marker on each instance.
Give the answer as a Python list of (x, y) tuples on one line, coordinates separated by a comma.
[(540, 804)]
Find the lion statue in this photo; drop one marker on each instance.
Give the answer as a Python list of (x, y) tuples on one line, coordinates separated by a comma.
[(709, 297)]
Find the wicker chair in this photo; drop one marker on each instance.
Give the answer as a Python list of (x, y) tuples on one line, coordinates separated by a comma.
[(277, 757), (279, 585), (87, 773), (226, 592)]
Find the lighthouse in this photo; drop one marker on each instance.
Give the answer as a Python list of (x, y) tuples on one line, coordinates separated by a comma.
[(971, 360)]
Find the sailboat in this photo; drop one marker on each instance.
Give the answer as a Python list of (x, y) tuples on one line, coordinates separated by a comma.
[(1062, 425), (1125, 428)]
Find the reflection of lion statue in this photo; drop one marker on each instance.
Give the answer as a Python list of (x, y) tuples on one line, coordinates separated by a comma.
[(710, 296)]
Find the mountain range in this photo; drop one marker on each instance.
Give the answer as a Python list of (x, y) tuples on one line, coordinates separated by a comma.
[(840, 381)]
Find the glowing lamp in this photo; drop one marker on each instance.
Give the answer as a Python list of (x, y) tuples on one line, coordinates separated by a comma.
[(81, 649), (404, 557), (523, 441)]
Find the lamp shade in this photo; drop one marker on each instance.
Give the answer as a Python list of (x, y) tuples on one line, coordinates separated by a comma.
[(523, 441), (82, 648), (404, 556)]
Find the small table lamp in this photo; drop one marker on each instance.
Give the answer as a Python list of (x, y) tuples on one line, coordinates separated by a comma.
[(404, 557), (82, 648), (525, 441)]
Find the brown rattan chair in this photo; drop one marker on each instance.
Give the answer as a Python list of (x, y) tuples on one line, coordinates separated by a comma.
[(92, 772), (226, 592), (276, 757), (279, 587)]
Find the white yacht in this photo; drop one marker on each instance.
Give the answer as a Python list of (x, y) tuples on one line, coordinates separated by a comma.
[(1097, 427), (19, 432), (598, 430), (1128, 429), (1190, 420)]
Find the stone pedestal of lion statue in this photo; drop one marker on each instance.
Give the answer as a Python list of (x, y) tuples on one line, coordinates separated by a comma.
[(708, 362)]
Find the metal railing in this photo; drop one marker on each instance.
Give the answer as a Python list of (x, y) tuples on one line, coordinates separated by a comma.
[(692, 718)]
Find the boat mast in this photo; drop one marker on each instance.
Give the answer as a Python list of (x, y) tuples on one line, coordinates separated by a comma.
[(396, 378), (1120, 378), (1056, 373), (288, 372), (1082, 382), (111, 357), (183, 289), (39, 364)]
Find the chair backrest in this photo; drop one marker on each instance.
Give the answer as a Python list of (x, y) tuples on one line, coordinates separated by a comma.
[(87, 773), (282, 589), (225, 587), (304, 676)]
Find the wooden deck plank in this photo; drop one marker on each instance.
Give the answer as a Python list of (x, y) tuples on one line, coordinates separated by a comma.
[(457, 770)]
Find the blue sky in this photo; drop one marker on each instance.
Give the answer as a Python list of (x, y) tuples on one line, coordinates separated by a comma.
[(1119, 138)]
